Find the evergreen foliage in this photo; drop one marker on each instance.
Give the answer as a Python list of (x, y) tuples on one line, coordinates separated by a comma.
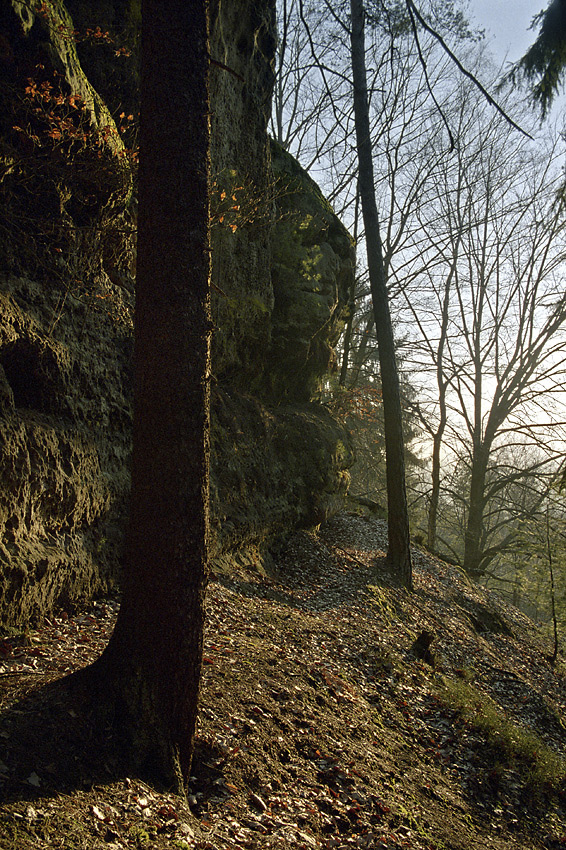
[(544, 64)]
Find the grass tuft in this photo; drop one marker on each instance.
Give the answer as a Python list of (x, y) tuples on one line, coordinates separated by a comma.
[(541, 768)]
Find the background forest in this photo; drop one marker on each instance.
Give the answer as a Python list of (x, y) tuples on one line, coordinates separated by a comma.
[(472, 226)]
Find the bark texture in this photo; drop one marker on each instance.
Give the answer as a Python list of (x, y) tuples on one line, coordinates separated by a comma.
[(152, 664)]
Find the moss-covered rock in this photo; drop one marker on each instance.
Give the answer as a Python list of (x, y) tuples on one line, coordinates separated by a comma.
[(40, 39), (66, 181), (108, 46), (312, 267), (281, 267), (272, 470), (243, 38), (65, 426)]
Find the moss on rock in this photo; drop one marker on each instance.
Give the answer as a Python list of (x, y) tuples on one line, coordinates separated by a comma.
[(312, 267), (273, 470), (282, 263)]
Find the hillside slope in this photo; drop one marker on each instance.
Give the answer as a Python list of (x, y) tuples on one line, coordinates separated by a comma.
[(321, 723)]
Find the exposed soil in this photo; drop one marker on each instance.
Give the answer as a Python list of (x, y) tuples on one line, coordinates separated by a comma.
[(326, 718)]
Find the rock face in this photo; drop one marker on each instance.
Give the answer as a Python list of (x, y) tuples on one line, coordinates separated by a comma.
[(311, 268), (243, 40), (273, 469), (65, 321), (64, 448), (281, 267)]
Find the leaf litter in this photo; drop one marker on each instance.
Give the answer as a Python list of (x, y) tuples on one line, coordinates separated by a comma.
[(319, 726)]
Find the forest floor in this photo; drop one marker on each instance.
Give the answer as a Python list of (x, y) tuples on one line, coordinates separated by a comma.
[(326, 719)]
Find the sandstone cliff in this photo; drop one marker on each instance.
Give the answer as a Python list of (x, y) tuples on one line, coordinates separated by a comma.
[(282, 265)]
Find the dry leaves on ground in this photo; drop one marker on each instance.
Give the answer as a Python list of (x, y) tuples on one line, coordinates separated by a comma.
[(319, 726)]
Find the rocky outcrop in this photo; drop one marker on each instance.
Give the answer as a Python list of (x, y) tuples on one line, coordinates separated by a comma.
[(311, 268), (243, 41), (66, 299), (281, 266), (66, 180), (65, 423), (273, 470)]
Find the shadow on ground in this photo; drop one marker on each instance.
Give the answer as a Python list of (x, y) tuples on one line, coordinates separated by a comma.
[(51, 742)]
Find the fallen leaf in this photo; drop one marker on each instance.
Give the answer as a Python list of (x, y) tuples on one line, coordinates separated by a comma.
[(258, 802)]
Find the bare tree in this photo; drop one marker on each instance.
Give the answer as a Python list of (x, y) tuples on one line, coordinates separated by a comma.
[(434, 207), (490, 314), (399, 552)]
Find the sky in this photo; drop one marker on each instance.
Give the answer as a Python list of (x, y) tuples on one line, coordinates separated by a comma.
[(507, 24)]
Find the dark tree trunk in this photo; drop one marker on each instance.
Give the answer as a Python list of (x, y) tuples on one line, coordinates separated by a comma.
[(399, 551), (151, 669), (359, 353), (474, 525), (348, 336), (554, 655)]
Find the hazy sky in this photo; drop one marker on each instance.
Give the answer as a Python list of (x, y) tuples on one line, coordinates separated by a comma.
[(507, 24)]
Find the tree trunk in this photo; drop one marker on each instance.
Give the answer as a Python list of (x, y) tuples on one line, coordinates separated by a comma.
[(359, 354), (151, 669), (442, 385), (554, 655), (347, 338), (476, 508), (435, 489), (399, 552)]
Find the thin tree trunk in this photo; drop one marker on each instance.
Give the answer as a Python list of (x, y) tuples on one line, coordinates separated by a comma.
[(360, 353), (435, 489), (348, 337), (399, 551), (554, 655), (351, 305), (442, 384), (151, 669)]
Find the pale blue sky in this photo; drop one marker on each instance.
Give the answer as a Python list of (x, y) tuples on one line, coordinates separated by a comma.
[(507, 24)]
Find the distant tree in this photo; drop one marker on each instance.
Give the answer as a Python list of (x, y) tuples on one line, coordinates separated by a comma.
[(487, 321), (149, 674), (399, 550), (519, 480), (538, 573)]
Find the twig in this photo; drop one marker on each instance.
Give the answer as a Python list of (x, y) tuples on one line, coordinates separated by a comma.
[(225, 68)]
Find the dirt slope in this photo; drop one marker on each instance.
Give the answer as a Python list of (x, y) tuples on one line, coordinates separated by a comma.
[(320, 725)]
